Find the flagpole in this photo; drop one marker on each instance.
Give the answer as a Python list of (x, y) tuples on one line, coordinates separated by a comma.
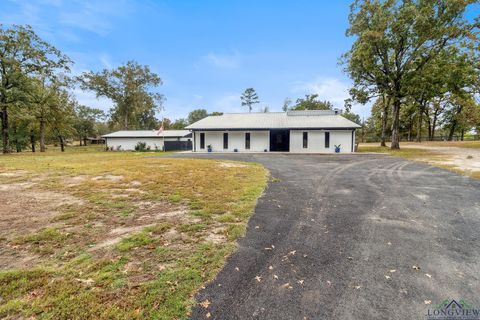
[(160, 132)]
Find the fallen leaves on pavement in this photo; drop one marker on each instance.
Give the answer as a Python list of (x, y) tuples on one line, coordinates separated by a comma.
[(205, 304), (287, 286)]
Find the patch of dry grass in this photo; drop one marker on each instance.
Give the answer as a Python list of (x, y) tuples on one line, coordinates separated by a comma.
[(457, 144), (117, 235), (408, 153), (424, 155)]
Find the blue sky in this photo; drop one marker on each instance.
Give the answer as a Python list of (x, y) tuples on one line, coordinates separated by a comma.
[(206, 52)]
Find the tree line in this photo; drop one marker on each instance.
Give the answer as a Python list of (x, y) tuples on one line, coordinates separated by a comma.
[(36, 100), (419, 62), (37, 105), (310, 102)]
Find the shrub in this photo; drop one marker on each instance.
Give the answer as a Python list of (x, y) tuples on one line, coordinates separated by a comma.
[(141, 146)]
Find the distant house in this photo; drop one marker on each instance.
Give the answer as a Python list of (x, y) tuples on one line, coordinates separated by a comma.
[(168, 140), (96, 140), (308, 131)]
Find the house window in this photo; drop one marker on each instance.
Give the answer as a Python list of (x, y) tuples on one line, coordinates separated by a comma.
[(305, 140), (327, 139), (225, 140), (247, 140), (202, 140)]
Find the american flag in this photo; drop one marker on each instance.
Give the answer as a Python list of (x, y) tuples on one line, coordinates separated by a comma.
[(159, 131)]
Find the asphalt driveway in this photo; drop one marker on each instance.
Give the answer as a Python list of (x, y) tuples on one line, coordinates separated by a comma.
[(351, 237)]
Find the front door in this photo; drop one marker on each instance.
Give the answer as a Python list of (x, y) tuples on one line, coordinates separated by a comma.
[(280, 140)]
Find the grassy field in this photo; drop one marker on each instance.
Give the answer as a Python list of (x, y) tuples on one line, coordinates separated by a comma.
[(407, 153), (459, 156), (456, 144), (89, 234)]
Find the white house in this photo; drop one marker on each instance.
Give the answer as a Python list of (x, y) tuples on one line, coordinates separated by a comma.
[(308, 131), (168, 140)]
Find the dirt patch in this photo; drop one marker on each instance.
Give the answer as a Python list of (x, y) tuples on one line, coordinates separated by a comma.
[(171, 235), (216, 235), (54, 199), (127, 230), (26, 211), (231, 165), (13, 174), (13, 257), (117, 234), (155, 211), (116, 193), (150, 214), (16, 186), (157, 165), (467, 159), (134, 190), (108, 177), (74, 181), (216, 238), (180, 214), (144, 204), (135, 183)]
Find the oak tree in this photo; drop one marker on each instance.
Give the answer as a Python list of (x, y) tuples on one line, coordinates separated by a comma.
[(395, 40), (23, 54), (131, 88)]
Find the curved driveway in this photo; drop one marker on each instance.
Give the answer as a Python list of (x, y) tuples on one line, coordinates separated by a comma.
[(351, 237)]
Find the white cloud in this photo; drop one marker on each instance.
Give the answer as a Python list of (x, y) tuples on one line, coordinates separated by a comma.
[(106, 61), (223, 61), (27, 13), (89, 99), (197, 98), (93, 16), (68, 36), (331, 89), (179, 107), (59, 18), (227, 103), (56, 3)]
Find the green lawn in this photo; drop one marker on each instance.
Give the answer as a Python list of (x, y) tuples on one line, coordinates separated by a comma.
[(116, 235)]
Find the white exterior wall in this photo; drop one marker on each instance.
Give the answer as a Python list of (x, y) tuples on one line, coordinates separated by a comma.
[(259, 141), (316, 141), (130, 143)]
